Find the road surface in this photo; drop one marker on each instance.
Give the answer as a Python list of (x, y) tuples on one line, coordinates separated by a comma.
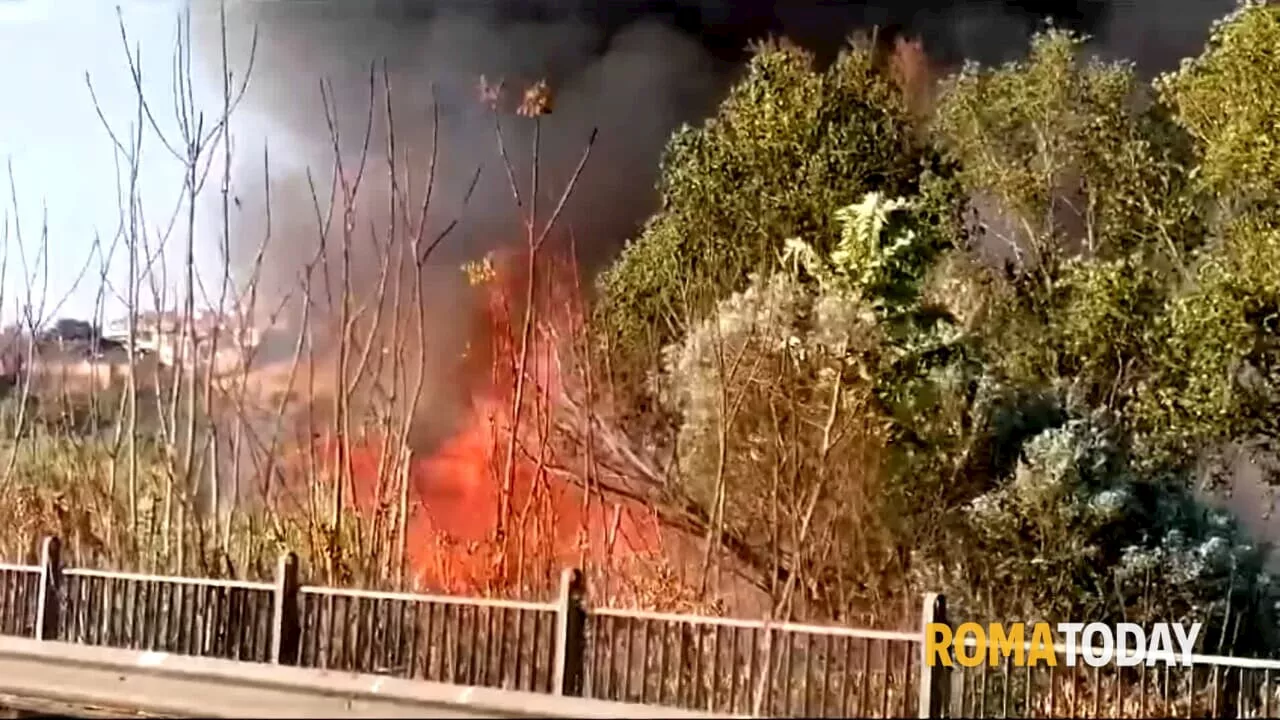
[(12, 708)]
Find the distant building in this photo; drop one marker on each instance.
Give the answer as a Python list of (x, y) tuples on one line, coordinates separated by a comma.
[(219, 340)]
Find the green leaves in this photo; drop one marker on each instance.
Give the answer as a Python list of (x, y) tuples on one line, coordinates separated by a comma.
[(1100, 330), (883, 254), (1080, 533), (1215, 354), (1228, 99), (1059, 155), (871, 259), (789, 145)]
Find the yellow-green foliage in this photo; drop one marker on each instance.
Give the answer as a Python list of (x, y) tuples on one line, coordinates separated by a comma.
[(61, 484), (1228, 98), (1215, 352), (1060, 146), (789, 146)]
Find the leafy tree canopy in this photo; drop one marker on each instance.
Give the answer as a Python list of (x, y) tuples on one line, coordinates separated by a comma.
[(789, 144)]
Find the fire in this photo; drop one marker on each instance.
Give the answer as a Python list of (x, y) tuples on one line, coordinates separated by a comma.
[(475, 525)]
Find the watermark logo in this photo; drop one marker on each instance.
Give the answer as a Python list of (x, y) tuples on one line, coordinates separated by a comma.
[(1097, 644)]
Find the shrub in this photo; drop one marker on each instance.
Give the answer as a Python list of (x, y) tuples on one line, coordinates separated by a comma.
[(782, 428), (1077, 532)]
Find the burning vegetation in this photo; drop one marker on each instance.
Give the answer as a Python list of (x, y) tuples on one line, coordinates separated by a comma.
[(495, 507), (887, 332)]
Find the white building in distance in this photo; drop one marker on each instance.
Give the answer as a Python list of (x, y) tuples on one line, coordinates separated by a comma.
[(221, 341)]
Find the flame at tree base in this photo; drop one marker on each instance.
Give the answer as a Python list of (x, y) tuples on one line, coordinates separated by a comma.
[(551, 525), (461, 534), (453, 543)]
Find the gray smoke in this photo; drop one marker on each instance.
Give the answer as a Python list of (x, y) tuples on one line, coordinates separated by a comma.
[(634, 70), (635, 86)]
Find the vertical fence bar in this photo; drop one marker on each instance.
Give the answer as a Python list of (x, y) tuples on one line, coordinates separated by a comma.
[(285, 628), (50, 593), (934, 679), (571, 640)]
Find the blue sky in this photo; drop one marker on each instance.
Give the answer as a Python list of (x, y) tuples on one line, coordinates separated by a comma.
[(61, 155)]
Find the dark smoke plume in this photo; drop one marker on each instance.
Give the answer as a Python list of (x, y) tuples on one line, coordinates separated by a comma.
[(636, 69), (634, 81)]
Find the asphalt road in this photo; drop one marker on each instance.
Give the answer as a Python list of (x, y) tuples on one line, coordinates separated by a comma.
[(88, 681), (12, 708)]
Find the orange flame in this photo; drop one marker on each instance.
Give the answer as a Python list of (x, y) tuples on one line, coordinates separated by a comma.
[(454, 538)]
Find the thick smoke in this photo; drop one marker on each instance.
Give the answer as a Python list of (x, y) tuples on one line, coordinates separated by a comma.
[(633, 82), (635, 70)]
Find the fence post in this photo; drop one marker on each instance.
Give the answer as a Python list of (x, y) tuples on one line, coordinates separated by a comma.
[(49, 600), (571, 638), (286, 631), (935, 681)]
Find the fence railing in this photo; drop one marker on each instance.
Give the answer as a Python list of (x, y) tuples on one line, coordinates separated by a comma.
[(751, 667), (19, 599), (492, 643), (189, 616), (720, 665), (1212, 686), (558, 647)]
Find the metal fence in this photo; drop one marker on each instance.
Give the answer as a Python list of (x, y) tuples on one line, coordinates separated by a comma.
[(742, 667), (493, 643), (19, 599), (751, 667), (1213, 686), (190, 616)]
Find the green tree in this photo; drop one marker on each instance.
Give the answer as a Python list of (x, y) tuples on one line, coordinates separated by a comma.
[(788, 146), (1228, 99), (1065, 155), (1085, 184), (1214, 380), (1214, 355)]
